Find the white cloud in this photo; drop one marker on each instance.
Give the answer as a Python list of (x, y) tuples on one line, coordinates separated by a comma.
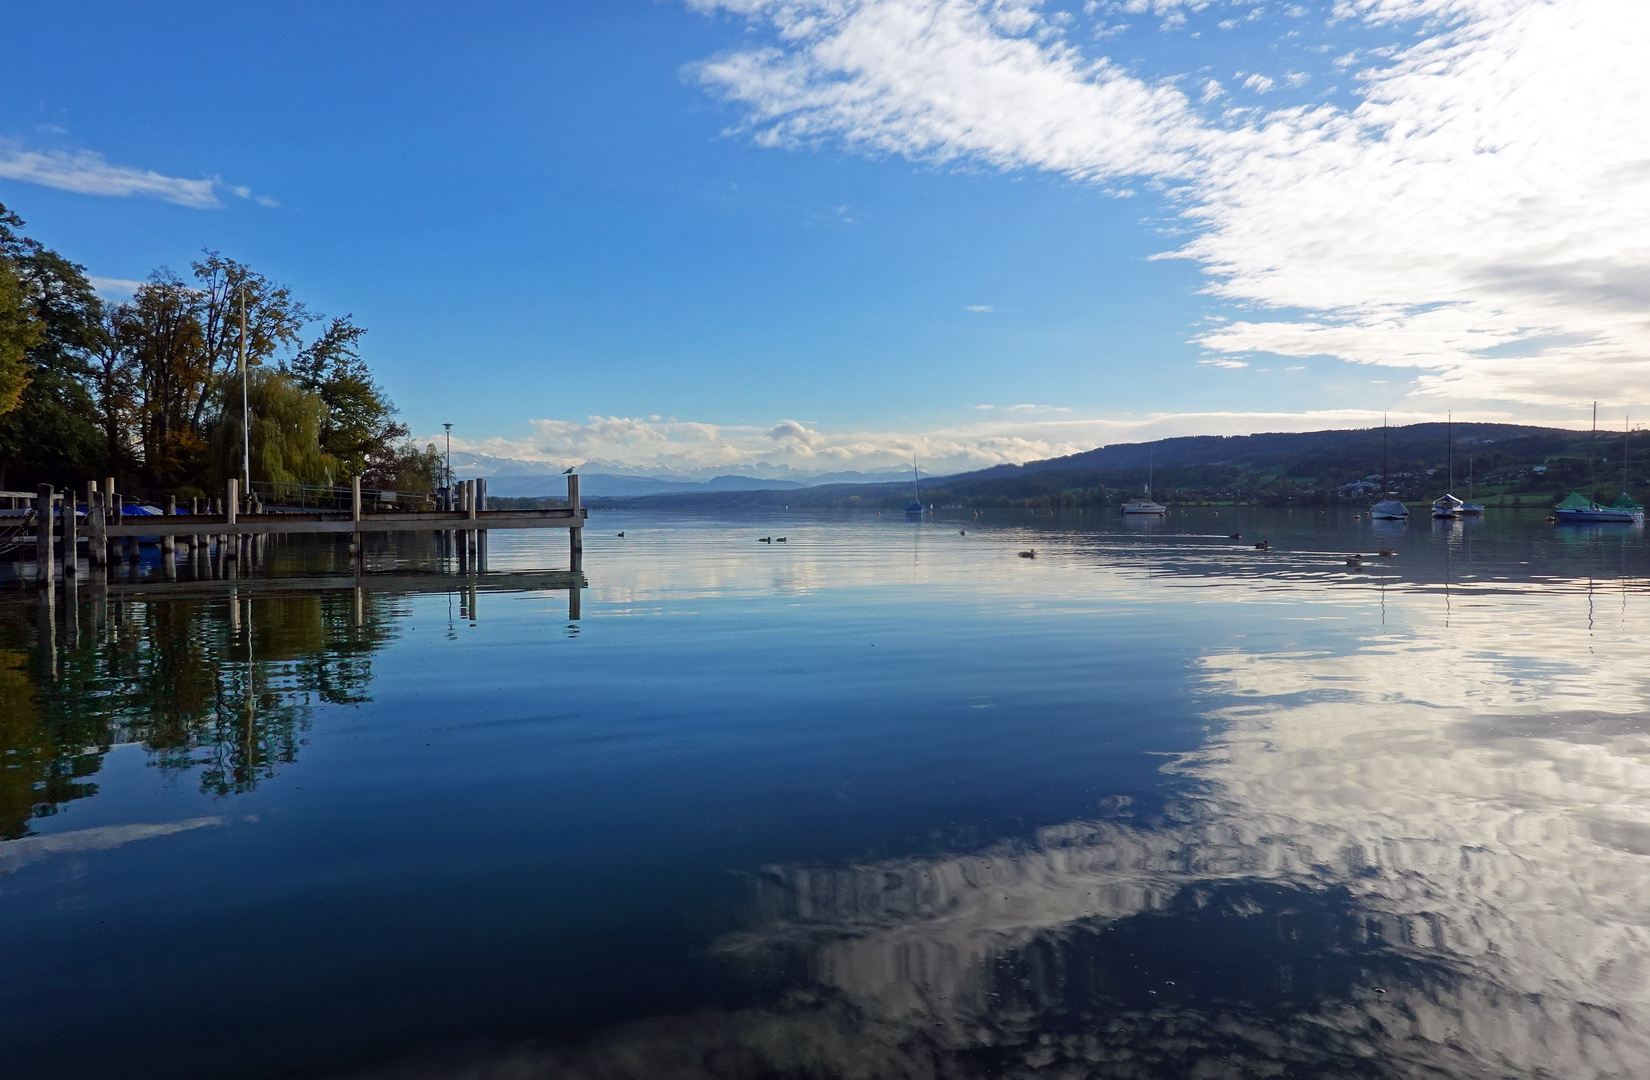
[(88, 173), (1018, 433), (1260, 84), (981, 307), (113, 288), (1480, 217), (1228, 364)]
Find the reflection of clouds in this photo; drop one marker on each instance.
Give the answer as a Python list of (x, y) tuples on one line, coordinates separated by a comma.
[(14, 853), (1486, 815)]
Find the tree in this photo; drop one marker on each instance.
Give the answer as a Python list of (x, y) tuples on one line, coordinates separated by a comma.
[(360, 425), (287, 421), (168, 344), (20, 331), (404, 467), (50, 430), (114, 382)]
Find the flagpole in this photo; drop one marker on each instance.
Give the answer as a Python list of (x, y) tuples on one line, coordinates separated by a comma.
[(246, 408)]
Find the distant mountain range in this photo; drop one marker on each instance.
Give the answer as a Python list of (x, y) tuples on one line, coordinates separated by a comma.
[(619, 485)]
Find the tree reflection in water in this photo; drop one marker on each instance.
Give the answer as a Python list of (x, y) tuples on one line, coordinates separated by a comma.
[(221, 688)]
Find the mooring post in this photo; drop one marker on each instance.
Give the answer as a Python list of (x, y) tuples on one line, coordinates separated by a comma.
[(355, 515), (575, 535), (97, 545), (43, 537), (231, 502), (71, 537), (167, 544)]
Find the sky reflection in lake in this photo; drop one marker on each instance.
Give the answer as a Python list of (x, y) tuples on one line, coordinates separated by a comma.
[(887, 800)]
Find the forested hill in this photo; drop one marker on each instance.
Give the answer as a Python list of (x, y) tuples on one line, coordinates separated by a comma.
[(1507, 462), (1302, 452)]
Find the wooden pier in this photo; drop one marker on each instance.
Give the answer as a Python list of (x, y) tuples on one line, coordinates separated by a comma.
[(110, 532)]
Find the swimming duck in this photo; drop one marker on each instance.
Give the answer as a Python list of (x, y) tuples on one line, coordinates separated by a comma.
[(621, 536), (1031, 554), (1387, 553), (1237, 536), (765, 540), (779, 540), (1263, 545)]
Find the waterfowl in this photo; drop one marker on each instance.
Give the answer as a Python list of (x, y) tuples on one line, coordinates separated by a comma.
[(765, 540), (1263, 545), (1356, 560), (1031, 554), (621, 536), (1237, 536), (962, 532), (779, 540), (1387, 553)]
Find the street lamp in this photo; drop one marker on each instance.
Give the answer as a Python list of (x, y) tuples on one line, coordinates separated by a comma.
[(449, 484)]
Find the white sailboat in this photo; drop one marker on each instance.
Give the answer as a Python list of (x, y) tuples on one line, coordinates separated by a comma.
[(1145, 505), (1389, 508), (1447, 505)]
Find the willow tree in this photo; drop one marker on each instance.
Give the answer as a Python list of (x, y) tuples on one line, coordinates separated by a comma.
[(287, 423)]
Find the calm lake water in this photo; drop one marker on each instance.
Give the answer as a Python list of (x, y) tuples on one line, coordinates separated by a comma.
[(885, 800)]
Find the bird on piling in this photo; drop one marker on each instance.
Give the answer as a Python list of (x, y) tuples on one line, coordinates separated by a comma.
[(569, 470), (1031, 554)]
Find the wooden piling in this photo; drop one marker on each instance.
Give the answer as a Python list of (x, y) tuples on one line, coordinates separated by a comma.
[(44, 571), (167, 544), (97, 544), (231, 502), (575, 534), (71, 538)]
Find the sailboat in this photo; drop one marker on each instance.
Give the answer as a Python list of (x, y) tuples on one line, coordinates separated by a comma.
[(1581, 509), (1470, 508), (1447, 505), (915, 505), (1389, 508), (1145, 505)]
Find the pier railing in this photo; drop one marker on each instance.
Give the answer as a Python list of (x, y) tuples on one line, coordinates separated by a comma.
[(341, 499)]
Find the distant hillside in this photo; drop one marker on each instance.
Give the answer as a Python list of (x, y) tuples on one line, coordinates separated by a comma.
[(1511, 461)]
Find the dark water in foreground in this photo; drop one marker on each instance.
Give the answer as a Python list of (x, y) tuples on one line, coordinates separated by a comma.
[(885, 800)]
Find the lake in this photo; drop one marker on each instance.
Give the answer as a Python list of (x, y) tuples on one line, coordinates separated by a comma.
[(884, 800)]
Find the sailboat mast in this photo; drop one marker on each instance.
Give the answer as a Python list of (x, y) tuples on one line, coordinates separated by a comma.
[(1383, 456), (1592, 461), (1449, 448), (915, 497), (1151, 462), (1626, 429)]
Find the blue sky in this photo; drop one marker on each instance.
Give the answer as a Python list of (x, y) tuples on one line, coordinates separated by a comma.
[(823, 234)]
